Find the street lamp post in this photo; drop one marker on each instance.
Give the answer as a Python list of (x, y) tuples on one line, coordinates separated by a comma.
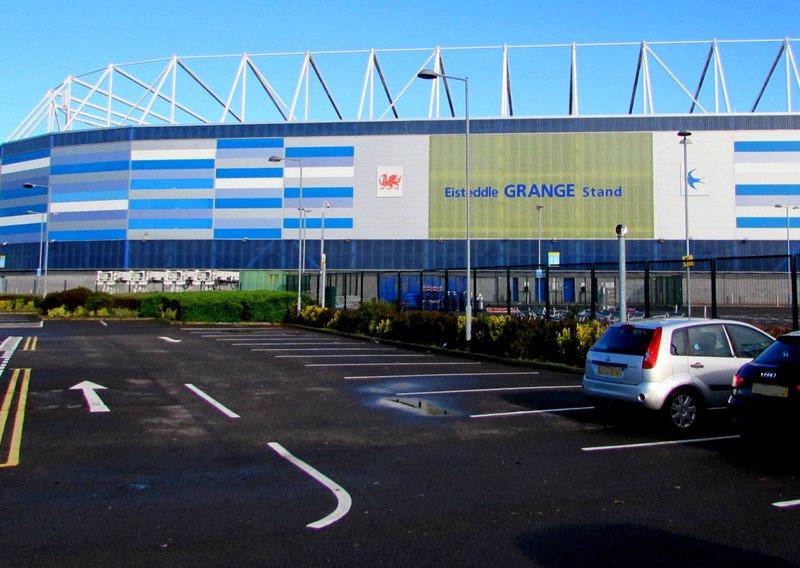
[(684, 134), (44, 240), (41, 249), (539, 242), (431, 74), (301, 231), (788, 240), (788, 243), (322, 259)]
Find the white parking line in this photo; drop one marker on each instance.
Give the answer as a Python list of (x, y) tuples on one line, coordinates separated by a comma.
[(344, 502), (521, 412), (346, 355), (270, 340), (218, 405), (660, 443), (337, 349), (390, 364), (493, 389), (426, 375), (786, 504)]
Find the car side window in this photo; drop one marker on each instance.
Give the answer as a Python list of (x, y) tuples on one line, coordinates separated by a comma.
[(680, 343), (708, 341), (748, 342)]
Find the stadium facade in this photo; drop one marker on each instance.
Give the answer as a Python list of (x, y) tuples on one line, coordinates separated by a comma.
[(390, 193)]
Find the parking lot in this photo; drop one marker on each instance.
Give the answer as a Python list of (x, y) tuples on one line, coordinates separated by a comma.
[(141, 443)]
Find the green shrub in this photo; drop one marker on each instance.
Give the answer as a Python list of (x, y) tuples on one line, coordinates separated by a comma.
[(70, 299), (218, 305), (99, 300), (18, 303), (426, 328)]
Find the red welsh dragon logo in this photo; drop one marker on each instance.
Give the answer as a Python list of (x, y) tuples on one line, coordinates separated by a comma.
[(390, 181)]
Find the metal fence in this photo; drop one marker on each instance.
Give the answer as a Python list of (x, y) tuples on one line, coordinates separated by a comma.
[(758, 289)]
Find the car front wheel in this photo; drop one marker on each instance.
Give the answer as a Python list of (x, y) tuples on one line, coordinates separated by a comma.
[(682, 409)]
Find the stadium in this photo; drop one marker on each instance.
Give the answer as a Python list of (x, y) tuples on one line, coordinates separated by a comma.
[(143, 173)]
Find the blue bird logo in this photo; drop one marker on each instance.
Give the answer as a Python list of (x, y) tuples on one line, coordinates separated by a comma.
[(693, 180)]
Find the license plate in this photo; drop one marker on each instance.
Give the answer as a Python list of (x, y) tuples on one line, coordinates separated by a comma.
[(770, 390), (609, 370)]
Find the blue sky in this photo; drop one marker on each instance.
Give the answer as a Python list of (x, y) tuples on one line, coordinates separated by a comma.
[(45, 40)]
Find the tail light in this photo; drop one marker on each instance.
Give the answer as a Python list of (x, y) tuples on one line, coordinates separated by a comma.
[(738, 382), (651, 355)]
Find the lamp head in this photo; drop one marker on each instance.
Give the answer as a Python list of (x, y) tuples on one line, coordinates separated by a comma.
[(275, 159), (684, 133), (429, 74)]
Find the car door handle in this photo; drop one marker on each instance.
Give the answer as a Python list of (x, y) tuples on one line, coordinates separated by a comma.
[(696, 365)]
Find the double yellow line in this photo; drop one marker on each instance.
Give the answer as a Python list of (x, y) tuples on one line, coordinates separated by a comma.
[(21, 378)]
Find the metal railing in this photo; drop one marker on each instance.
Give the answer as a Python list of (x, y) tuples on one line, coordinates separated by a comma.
[(757, 289)]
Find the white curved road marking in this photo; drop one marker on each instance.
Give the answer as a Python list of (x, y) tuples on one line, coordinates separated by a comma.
[(342, 497)]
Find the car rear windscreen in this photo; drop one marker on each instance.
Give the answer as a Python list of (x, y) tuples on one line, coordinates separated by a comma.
[(782, 352), (625, 339)]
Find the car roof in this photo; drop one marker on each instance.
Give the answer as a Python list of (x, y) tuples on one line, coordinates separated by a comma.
[(678, 322), (790, 337)]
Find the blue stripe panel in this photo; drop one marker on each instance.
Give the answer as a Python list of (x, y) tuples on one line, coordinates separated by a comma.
[(32, 228), (27, 156), (777, 146), (203, 183), (22, 210), (89, 235), (170, 223), (247, 233), (23, 192), (249, 172), (320, 151), (316, 223), (250, 143), (262, 203), (89, 168), (767, 189), (171, 204), (86, 186), (199, 164), (89, 196), (59, 159), (294, 192), (113, 215), (765, 223)]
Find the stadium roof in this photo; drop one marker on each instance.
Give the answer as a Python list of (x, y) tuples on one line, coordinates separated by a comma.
[(562, 80)]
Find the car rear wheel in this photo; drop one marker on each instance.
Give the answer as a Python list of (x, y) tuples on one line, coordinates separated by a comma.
[(682, 410)]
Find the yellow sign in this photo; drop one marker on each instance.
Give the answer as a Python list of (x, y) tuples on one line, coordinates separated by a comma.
[(688, 261)]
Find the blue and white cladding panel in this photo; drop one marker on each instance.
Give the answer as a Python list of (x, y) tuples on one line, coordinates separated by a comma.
[(89, 192), (172, 189), (328, 182), (22, 209), (767, 174), (249, 189), (736, 179)]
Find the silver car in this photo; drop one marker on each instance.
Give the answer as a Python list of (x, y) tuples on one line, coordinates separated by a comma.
[(677, 366)]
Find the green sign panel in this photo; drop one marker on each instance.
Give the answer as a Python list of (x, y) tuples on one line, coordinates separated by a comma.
[(586, 183)]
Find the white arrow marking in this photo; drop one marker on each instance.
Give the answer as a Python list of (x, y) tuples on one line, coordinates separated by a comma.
[(92, 398), (344, 502), (169, 339)]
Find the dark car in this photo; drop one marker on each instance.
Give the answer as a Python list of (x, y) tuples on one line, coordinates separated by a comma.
[(766, 391)]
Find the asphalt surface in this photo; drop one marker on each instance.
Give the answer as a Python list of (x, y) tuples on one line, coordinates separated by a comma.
[(145, 444)]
